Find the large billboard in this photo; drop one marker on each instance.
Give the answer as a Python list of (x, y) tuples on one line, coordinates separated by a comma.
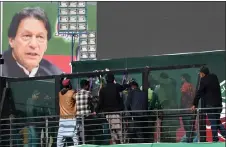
[(31, 44), (156, 28)]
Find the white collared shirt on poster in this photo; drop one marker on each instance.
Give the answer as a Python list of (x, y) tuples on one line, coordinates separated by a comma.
[(30, 74)]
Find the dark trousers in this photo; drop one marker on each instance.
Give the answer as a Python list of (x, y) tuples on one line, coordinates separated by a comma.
[(93, 130), (139, 130), (214, 118), (189, 122)]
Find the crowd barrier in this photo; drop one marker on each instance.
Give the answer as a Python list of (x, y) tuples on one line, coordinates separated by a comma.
[(156, 126)]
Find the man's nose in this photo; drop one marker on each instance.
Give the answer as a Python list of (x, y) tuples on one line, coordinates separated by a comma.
[(33, 43)]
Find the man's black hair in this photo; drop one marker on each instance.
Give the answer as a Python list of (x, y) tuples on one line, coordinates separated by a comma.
[(187, 77), (204, 70), (110, 78), (36, 13), (84, 83), (134, 83)]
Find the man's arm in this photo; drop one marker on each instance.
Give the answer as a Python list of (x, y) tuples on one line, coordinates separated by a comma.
[(154, 102), (101, 100), (199, 93), (90, 97), (129, 101), (74, 97), (122, 87)]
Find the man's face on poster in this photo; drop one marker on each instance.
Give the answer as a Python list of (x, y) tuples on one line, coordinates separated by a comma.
[(30, 43)]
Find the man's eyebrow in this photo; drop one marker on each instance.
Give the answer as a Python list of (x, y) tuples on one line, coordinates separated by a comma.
[(41, 33), (27, 31)]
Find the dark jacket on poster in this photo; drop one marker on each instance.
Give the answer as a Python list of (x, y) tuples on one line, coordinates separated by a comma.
[(137, 100), (110, 99), (11, 69), (210, 91)]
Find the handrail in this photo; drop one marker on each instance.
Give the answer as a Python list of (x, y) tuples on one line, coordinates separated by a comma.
[(97, 126)]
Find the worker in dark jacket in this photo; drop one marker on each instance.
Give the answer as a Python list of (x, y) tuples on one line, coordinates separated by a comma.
[(209, 90), (110, 101), (109, 96), (137, 99), (137, 102)]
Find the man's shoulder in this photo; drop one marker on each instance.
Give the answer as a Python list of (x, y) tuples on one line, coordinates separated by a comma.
[(7, 52), (210, 77), (83, 92), (137, 91), (213, 75), (86, 92), (7, 56), (50, 68), (71, 91)]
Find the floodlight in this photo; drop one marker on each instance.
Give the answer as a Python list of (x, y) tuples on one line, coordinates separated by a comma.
[(81, 11), (84, 55), (63, 4), (83, 48), (83, 36), (87, 43), (63, 26), (91, 34), (92, 48), (81, 18), (73, 4), (73, 19), (92, 55), (63, 19), (81, 26), (92, 41), (72, 11), (83, 42), (81, 4), (72, 26), (63, 11)]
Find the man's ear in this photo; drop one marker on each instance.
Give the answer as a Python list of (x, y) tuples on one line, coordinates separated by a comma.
[(11, 42)]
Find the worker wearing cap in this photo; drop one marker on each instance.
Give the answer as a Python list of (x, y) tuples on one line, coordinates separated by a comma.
[(210, 91), (68, 123)]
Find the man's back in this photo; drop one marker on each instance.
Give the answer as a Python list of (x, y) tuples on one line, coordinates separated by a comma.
[(137, 100), (187, 95), (211, 90), (83, 100), (67, 103), (110, 99)]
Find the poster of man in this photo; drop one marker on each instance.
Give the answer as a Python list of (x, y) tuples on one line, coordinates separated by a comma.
[(31, 44)]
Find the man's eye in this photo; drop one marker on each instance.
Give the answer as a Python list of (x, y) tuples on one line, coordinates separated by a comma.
[(40, 37), (26, 36)]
